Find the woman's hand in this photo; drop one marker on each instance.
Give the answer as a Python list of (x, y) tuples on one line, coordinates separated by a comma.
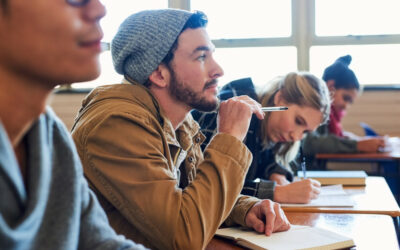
[(279, 179), (302, 191), (371, 145)]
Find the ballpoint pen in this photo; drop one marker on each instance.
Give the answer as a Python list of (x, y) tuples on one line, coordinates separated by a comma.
[(268, 109), (303, 163)]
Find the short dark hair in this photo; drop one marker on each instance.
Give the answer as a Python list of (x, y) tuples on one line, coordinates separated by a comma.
[(343, 76), (197, 20)]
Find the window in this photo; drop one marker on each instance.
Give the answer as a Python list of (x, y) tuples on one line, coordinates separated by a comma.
[(265, 38), (246, 33), (262, 64), (357, 17), (368, 30), (117, 11), (373, 64), (246, 19)]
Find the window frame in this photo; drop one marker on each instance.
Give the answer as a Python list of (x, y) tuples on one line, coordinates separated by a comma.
[(303, 36)]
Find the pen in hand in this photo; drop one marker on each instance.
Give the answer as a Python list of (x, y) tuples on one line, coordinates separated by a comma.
[(303, 163)]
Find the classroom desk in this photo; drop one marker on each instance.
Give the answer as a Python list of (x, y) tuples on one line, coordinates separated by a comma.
[(392, 155), (388, 163), (373, 198), (369, 231)]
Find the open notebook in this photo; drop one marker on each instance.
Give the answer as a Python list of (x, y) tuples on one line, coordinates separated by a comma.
[(330, 196), (298, 237)]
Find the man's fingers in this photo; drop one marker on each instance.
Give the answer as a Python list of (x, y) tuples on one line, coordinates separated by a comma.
[(256, 223), (257, 111), (270, 216), (283, 221), (255, 106)]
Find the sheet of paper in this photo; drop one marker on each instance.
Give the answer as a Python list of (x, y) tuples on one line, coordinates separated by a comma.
[(391, 144), (333, 190)]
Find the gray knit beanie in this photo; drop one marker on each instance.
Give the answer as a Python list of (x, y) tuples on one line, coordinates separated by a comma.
[(144, 39)]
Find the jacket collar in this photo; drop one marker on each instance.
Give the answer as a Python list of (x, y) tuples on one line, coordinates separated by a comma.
[(184, 135)]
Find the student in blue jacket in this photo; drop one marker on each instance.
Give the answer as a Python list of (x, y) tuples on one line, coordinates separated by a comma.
[(274, 141), (331, 138), (45, 201)]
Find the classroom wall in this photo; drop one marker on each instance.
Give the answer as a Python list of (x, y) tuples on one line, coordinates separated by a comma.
[(66, 106), (380, 109)]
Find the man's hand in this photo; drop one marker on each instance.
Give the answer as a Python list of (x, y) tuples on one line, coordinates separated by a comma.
[(302, 191), (235, 114), (267, 217)]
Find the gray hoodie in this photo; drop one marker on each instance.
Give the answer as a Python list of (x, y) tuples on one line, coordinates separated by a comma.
[(54, 209)]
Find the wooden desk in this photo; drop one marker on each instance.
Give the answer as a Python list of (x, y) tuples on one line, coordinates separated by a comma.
[(388, 163), (391, 159), (374, 198), (392, 154), (369, 231)]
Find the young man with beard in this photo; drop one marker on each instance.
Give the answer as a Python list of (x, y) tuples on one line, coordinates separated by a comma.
[(140, 146), (45, 201)]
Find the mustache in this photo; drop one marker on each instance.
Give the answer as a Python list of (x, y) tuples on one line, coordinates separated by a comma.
[(212, 82)]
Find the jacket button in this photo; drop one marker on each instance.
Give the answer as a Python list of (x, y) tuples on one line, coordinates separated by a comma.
[(190, 159), (197, 140)]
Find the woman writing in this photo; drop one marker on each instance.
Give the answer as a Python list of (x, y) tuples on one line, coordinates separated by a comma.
[(275, 140), (330, 138)]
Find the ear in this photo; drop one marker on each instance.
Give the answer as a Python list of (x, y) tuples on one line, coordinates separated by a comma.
[(160, 77), (331, 85), (278, 98)]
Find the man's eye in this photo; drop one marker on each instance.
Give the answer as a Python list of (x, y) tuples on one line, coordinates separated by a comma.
[(202, 57)]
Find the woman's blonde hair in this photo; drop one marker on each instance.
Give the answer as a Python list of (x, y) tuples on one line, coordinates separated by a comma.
[(299, 88)]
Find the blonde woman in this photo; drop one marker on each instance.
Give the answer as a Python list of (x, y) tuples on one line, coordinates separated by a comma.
[(275, 140)]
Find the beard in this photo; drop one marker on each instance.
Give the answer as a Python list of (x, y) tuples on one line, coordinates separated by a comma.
[(180, 92)]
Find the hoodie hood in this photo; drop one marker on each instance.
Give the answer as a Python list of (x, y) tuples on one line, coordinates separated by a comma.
[(125, 93)]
